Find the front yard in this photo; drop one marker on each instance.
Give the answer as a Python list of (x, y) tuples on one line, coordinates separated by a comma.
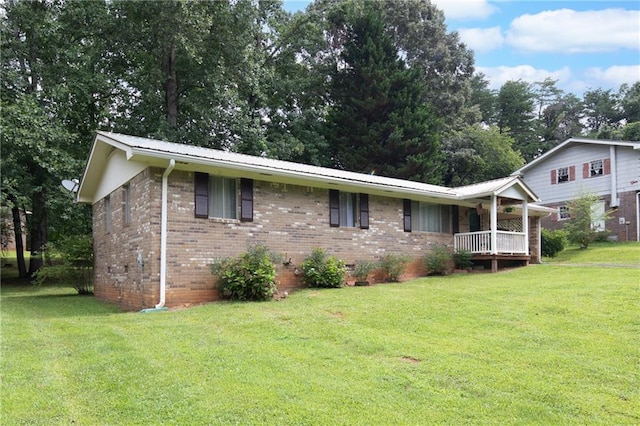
[(545, 344)]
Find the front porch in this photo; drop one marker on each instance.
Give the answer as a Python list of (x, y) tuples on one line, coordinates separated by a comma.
[(497, 247)]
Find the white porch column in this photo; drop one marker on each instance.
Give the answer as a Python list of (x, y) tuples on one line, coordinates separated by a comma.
[(525, 225), (493, 212)]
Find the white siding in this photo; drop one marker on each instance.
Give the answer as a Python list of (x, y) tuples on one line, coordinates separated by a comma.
[(539, 176)]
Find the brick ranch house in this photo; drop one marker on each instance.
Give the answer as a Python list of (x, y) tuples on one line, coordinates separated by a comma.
[(162, 212)]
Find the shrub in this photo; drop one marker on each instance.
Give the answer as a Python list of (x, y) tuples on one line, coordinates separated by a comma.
[(393, 266), (581, 229), (553, 242), (251, 276), (462, 259), (362, 270), (70, 260), (324, 271), (439, 260)]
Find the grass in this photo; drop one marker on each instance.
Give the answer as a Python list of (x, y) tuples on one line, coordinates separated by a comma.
[(600, 253), (546, 344)]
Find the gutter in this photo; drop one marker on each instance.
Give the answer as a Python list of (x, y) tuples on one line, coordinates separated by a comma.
[(163, 240)]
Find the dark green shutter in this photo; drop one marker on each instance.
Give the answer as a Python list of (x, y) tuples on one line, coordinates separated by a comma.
[(364, 211), (246, 200), (334, 207), (407, 215), (201, 194)]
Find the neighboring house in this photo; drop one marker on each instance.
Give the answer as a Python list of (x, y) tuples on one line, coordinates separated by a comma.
[(609, 169), (163, 212)]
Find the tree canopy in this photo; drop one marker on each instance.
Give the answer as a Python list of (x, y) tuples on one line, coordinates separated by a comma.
[(365, 85)]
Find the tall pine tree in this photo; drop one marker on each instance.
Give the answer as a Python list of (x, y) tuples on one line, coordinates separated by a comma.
[(378, 121)]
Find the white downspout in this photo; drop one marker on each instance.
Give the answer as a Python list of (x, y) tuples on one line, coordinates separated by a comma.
[(163, 235), (614, 177), (637, 216)]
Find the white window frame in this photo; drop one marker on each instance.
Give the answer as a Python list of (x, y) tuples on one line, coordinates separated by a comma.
[(562, 174), (596, 168), (597, 215), (564, 213), (427, 217), (223, 197)]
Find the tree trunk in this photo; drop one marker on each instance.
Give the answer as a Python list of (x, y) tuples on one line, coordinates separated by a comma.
[(171, 85), (17, 235), (38, 231)]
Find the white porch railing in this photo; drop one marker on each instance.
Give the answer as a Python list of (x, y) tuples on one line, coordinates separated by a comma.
[(480, 242)]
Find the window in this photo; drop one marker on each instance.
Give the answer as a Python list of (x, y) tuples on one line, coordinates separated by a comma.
[(217, 197), (563, 213), (222, 197), (126, 201), (429, 217), (595, 168), (597, 216), (107, 213), (563, 174), (343, 209)]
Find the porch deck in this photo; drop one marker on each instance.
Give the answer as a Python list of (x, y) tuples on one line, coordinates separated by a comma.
[(510, 247)]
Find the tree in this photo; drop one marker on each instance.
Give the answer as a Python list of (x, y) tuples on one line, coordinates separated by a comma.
[(602, 111), (582, 228), (475, 154), (378, 121), (516, 117), (630, 101), (445, 64)]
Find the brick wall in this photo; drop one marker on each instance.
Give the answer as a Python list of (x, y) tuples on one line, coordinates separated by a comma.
[(118, 278), (290, 220), (619, 231)]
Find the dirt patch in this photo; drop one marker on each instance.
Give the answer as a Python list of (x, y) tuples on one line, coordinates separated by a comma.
[(410, 359)]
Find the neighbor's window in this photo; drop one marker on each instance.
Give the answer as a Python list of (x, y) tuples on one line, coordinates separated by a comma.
[(595, 168), (348, 209), (222, 197), (563, 213), (348, 204), (563, 174), (126, 201), (430, 217), (107, 213)]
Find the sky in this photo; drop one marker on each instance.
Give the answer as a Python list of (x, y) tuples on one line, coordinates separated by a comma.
[(584, 45)]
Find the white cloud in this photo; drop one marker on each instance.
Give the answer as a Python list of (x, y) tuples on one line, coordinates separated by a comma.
[(613, 76), (482, 39), (569, 31), (461, 10), (497, 76)]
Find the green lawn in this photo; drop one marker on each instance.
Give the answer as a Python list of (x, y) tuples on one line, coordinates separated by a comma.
[(545, 344), (600, 253)]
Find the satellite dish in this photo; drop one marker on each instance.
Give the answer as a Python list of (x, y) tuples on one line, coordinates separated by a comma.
[(71, 185)]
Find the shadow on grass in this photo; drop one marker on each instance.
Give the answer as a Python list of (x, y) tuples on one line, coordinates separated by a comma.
[(51, 302)]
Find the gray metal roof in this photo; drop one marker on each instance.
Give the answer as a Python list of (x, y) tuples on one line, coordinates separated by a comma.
[(150, 150)]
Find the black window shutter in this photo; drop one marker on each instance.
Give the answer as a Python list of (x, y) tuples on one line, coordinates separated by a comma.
[(455, 219), (201, 194), (246, 197), (334, 207), (364, 211), (407, 215)]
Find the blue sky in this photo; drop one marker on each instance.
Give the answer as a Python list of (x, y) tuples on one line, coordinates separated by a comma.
[(583, 44)]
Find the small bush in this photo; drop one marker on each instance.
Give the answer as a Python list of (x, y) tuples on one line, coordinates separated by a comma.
[(362, 270), (393, 266), (70, 260), (323, 271), (439, 260), (462, 259), (251, 276), (553, 242)]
